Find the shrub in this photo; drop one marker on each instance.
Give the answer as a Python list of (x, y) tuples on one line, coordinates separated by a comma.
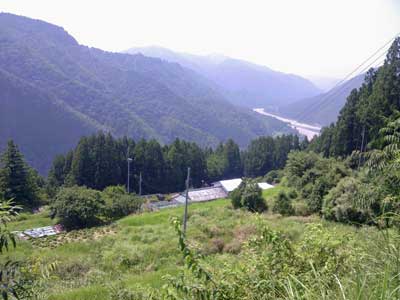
[(274, 176), (271, 267), (301, 208), (249, 196), (313, 176), (118, 203), (78, 207), (343, 203), (236, 197), (283, 205), (292, 194)]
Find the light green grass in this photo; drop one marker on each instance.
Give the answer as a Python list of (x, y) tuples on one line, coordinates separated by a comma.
[(29, 220), (144, 247)]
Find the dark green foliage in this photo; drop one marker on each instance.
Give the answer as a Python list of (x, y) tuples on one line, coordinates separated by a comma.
[(118, 203), (97, 162), (266, 153), (77, 207), (234, 163), (274, 176), (343, 203), (367, 110), (248, 195), (313, 176), (283, 204), (149, 159), (57, 172), (236, 197), (13, 285), (178, 157), (225, 162), (17, 180), (100, 160), (82, 90)]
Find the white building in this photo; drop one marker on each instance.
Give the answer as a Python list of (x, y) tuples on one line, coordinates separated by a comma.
[(232, 184)]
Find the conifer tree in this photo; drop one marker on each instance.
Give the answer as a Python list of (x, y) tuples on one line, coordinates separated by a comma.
[(234, 163), (15, 177), (81, 167)]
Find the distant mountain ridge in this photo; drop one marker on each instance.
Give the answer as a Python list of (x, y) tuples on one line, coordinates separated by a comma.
[(55, 90), (322, 109), (241, 82)]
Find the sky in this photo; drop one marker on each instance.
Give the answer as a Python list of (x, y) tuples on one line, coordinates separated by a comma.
[(327, 38)]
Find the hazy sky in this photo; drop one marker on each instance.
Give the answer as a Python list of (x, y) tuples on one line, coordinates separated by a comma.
[(306, 37)]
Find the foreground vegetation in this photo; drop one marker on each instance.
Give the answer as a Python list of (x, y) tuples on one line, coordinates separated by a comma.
[(329, 230), (245, 256)]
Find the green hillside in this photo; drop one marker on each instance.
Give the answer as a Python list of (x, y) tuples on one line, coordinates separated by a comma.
[(322, 109), (127, 95), (138, 253), (241, 82)]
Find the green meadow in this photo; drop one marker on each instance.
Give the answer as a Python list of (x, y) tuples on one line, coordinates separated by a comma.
[(137, 251)]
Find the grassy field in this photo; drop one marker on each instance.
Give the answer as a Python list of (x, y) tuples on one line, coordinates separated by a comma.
[(139, 250)]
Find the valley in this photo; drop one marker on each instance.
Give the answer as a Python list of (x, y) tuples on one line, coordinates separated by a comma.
[(169, 173), (310, 131)]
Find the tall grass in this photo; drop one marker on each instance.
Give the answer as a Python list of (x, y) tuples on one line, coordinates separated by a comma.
[(328, 260)]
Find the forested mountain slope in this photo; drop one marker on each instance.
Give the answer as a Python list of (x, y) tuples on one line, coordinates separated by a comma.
[(40, 123), (242, 82), (91, 89), (367, 110), (322, 109)]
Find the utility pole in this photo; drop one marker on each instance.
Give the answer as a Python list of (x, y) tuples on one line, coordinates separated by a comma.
[(129, 174), (140, 184), (186, 201)]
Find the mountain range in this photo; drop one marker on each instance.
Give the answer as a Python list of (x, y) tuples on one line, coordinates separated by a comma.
[(241, 82), (324, 108), (54, 90)]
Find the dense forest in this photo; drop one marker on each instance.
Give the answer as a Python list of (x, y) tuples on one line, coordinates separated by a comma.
[(100, 160), (340, 191), (241, 82), (66, 90), (367, 110)]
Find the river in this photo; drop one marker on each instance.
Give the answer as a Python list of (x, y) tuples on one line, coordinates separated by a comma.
[(306, 129)]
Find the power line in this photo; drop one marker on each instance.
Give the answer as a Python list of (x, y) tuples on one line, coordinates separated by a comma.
[(337, 92), (342, 86), (303, 113)]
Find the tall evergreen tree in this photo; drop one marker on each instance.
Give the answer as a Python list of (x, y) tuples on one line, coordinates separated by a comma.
[(57, 173), (366, 111), (233, 159), (149, 160), (82, 164), (259, 157), (15, 177)]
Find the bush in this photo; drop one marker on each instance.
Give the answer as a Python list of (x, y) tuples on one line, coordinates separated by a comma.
[(249, 196), (236, 197), (283, 205), (77, 207), (292, 194), (314, 176), (301, 208), (343, 203), (274, 176), (118, 203)]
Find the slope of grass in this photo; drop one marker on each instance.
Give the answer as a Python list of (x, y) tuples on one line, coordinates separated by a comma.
[(29, 220), (139, 250)]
